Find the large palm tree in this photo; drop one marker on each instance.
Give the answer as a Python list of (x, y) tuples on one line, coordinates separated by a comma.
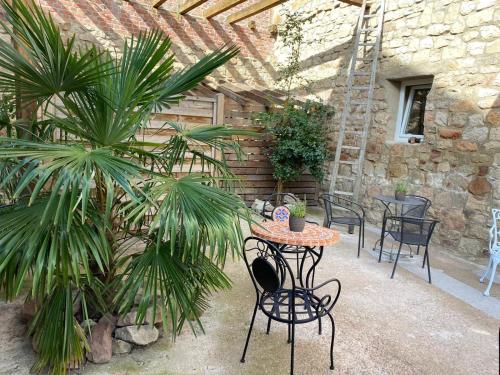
[(85, 186)]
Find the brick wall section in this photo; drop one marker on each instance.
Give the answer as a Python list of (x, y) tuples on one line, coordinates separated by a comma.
[(458, 164), (108, 22)]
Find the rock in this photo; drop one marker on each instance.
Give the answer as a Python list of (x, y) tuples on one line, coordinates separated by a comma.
[(397, 169), (479, 186), (109, 318), (100, 342), (476, 134), (466, 146), (258, 205), (138, 335), (448, 133), (28, 311), (483, 170), (453, 219), (121, 347), (129, 319)]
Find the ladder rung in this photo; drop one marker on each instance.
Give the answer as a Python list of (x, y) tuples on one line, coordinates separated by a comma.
[(348, 162), (363, 59), (366, 44), (361, 87), (351, 147), (343, 192), (359, 101), (370, 15), (362, 73), (369, 29), (353, 132), (346, 178)]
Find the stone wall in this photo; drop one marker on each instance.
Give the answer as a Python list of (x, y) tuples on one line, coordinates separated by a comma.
[(108, 22), (457, 166)]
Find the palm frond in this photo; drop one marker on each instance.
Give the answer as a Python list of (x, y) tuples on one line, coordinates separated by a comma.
[(36, 241), (48, 65), (57, 335), (171, 283), (71, 170), (189, 78), (197, 216)]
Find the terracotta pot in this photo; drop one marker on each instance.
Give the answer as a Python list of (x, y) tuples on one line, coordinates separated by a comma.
[(400, 196), (296, 224)]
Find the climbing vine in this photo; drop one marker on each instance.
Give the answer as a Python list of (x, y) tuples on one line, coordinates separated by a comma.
[(297, 131)]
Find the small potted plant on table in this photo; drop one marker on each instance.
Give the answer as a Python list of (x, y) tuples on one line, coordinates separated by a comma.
[(400, 191), (297, 219)]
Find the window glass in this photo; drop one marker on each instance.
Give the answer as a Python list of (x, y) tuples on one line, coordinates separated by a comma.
[(414, 116)]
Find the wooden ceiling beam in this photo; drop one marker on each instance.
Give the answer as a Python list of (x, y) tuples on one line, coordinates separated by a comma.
[(190, 5), (221, 6), (252, 10), (158, 3), (353, 2)]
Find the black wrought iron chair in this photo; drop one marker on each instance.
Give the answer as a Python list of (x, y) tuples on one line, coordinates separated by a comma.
[(344, 212), (419, 211), (279, 298), (410, 231), (411, 211)]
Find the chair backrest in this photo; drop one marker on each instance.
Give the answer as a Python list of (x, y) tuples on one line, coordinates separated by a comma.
[(275, 200), (268, 269), (495, 233), (416, 231), (281, 214), (336, 206), (419, 211)]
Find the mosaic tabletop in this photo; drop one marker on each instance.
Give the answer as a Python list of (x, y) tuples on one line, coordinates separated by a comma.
[(313, 235)]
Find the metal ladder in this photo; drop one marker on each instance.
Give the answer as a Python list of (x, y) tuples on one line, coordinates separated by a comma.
[(347, 171)]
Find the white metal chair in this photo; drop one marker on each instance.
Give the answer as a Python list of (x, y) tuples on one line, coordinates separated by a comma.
[(494, 250)]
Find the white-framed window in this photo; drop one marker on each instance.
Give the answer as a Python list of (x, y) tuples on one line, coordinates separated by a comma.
[(411, 112)]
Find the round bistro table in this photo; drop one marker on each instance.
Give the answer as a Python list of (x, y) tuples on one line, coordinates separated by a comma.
[(312, 240)]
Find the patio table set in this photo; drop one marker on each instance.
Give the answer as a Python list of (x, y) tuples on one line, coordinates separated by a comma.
[(288, 294)]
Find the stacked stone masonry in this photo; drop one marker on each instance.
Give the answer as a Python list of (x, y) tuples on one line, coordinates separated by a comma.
[(457, 165)]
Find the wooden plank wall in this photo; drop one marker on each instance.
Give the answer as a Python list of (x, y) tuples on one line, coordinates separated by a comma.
[(255, 170)]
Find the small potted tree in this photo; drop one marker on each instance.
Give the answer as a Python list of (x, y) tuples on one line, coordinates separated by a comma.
[(400, 191), (297, 219)]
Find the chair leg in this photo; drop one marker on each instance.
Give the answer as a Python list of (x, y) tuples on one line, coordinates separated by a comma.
[(418, 249), (268, 326), (396, 262), (428, 264), (481, 280), (492, 277), (320, 330), (425, 258), (297, 262), (249, 334), (363, 223), (381, 247), (332, 367), (359, 240), (293, 349)]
